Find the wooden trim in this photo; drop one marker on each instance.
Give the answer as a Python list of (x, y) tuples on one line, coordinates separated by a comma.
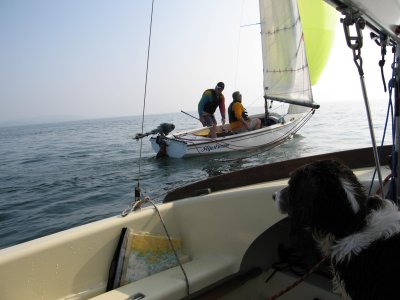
[(357, 158)]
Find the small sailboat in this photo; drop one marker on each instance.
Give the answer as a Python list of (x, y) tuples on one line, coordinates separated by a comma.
[(196, 142), (286, 79), (221, 240)]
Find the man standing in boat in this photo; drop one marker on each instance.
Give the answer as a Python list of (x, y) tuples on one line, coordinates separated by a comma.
[(238, 119), (211, 99)]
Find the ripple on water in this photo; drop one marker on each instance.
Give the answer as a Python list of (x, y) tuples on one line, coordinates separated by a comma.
[(48, 183)]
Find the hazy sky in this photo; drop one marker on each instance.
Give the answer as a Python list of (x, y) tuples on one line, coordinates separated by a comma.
[(87, 59)]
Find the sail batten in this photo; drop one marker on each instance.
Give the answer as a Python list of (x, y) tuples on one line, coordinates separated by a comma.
[(284, 56)]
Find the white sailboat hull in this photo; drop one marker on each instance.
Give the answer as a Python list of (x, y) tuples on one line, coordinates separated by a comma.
[(187, 144)]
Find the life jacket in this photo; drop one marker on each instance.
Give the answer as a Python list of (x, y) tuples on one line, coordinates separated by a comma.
[(211, 106), (231, 113)]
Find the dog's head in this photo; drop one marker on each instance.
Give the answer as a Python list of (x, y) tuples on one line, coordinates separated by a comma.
[(324, 196)]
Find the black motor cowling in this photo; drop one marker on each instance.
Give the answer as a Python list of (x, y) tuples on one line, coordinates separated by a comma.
[(163, 129)]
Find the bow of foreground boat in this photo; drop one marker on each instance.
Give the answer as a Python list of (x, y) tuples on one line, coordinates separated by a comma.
[(74, 264)]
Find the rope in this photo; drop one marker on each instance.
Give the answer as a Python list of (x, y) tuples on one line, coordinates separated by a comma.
[(137, 205), (147, 199), (297, 282), (389, 113), (138, 202)]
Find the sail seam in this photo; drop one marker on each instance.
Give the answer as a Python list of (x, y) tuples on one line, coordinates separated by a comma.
[(288, 70), (292, 92), (284, 28)]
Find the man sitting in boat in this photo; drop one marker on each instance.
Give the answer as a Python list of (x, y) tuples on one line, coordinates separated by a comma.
[(211, 99), (238, 119)]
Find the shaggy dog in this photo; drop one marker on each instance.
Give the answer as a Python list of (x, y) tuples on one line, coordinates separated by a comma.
[(357, 233)]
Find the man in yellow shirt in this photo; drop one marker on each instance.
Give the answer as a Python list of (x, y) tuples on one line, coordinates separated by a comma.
[(238, 119)]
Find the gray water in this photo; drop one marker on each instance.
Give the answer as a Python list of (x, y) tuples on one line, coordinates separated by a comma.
[(57, 176)]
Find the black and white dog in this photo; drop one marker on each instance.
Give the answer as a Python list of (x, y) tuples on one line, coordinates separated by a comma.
[(359, 234)]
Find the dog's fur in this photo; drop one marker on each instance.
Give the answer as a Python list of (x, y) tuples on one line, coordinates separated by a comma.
[(359, 234)]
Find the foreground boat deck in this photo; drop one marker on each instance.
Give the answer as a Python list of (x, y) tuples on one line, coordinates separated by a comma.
[(161, 286), (231, 236)]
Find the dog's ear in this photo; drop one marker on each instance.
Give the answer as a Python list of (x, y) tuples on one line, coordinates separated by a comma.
[(302, 193)]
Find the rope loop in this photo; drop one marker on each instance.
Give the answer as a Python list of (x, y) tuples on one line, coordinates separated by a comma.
[(381, 41)]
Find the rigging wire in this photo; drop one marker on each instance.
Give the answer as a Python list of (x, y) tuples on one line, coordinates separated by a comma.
[(145, 94), (238, 46), (355, 43), (132, 206), (238, 49), (138, 202)]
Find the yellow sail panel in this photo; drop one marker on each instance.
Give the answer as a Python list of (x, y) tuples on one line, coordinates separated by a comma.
[(319, 21)]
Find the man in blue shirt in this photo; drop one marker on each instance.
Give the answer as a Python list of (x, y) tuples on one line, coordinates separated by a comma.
[(210, 100)]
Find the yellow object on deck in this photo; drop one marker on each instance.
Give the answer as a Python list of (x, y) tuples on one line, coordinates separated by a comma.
[(203, 132)]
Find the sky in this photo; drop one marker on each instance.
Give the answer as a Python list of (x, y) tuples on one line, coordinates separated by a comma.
[(70, 59)]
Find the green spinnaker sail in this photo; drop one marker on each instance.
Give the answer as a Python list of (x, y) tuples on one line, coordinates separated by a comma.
[(319, 21)]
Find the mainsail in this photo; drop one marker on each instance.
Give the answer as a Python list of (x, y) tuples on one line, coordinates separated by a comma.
[(286, 71)]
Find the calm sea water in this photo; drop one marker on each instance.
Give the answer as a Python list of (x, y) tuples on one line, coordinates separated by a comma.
[(57, 176)]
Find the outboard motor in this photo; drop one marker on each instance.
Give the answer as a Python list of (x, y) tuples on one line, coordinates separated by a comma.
[(162, 130), (165, 128)]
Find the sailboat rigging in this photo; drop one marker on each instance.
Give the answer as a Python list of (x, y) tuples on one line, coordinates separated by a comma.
[(286, 79)]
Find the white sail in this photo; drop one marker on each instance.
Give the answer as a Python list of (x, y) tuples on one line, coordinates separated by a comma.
[(286, 74)]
